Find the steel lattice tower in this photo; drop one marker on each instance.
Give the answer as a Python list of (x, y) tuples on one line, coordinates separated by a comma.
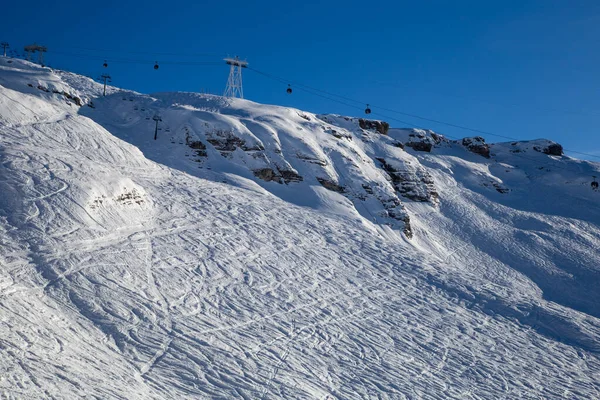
[(234, 83), (32, 49)]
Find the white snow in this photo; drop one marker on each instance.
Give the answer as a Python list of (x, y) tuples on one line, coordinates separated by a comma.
[(139, 269)]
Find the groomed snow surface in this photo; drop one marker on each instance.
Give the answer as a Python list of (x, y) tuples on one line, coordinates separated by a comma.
[(261, 252)]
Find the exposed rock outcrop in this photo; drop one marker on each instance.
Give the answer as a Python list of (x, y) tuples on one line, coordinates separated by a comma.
[(227, 141), (477, 145), (372, 125), (422, 140), (279, 176), (338, 134), (266, 174), (66, 95), (420, 146), (75, 99), (327, 184), (396, 210), (496, 185), (413, 185), (311, 160), (129, 197), (290, 176), (553, 149), (199, 147)]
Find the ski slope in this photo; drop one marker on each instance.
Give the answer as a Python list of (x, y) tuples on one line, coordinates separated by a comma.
[(261, 252)]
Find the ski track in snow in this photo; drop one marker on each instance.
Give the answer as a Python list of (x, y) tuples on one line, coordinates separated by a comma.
[(131, 271)]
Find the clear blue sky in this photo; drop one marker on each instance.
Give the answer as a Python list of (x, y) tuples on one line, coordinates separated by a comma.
[(525, 69)]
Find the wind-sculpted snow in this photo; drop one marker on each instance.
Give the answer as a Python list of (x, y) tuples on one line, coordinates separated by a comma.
[(140, 269)]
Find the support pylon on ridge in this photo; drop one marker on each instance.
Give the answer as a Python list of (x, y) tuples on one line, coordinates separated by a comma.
[(32, 48), (234, 86)]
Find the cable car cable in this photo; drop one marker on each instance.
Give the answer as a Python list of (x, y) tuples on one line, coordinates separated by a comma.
[(387, 117), (143, 52), (414, 115)]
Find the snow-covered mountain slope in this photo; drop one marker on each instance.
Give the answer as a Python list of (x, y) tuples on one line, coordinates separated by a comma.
[(255, 251)]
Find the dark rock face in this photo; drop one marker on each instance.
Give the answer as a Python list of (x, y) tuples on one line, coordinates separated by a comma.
[(416, 187), (420, 146), (304, 116), (379, 126), (196, 144), (327, 184), (477, 145), (419, 140), (499, 188), (515, 150), (395, 210), (407, 227), (226, 142), (311, 160), (266, 174), (436, 138), (199, 147), (339, 135), (67, 95), (553, 149), (290, 176), (129, 197), (279, 176)]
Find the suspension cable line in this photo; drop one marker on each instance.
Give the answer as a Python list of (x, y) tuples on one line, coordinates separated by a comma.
[(404, 113), (321, 93)]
